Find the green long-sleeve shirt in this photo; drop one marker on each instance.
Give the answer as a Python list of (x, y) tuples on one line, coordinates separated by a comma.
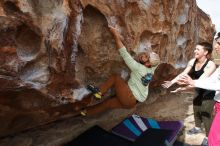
[(137, 71)]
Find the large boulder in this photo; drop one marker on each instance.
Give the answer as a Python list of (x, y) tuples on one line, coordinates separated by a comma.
[(49, 48)]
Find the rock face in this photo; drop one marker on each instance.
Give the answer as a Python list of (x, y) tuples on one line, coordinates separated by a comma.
[(48, 48)]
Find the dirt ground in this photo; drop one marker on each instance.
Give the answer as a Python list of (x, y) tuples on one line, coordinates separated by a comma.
[(160, 106)]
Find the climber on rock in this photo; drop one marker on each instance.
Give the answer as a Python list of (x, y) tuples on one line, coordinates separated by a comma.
[(127, 93)]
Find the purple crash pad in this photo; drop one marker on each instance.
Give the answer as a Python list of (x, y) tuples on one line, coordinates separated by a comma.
[(132, 127)]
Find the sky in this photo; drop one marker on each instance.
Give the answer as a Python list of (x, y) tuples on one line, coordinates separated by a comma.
[(211, 7)]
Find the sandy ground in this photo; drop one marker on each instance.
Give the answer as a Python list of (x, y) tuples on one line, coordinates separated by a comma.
[(160, 106), (175, 107)]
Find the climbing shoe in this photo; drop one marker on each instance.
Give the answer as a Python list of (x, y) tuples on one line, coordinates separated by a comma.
[(83, 113), (96, 92)]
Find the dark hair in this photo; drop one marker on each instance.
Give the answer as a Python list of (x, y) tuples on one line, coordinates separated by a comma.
[(138, 57), (206, 46), (218, 36)]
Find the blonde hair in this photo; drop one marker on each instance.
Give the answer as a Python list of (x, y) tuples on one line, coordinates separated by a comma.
[(154, 59)]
